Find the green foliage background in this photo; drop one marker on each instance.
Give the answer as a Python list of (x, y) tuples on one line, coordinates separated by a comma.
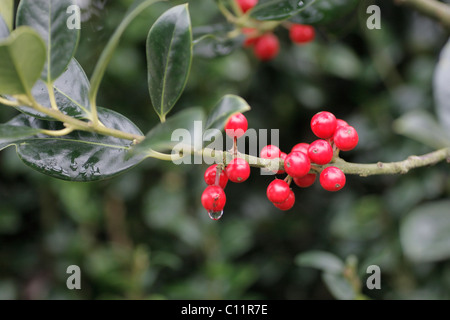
[(144, 235)]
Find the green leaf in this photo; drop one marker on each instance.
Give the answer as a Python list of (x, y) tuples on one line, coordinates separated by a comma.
[(279, 9), (325, 11), (49, 19), (71, 94), (212, 41), (226, 107), (321, 260), (22, 58), (338, 286), (7, 12), (160, 138), (136, 8), (4, 31), (9, 134), (441, 88), (425, 232), (169, 57), (430, 133), (79, 156), (212, 46)]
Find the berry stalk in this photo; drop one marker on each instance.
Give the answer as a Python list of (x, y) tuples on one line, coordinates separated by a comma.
[(361, 169)]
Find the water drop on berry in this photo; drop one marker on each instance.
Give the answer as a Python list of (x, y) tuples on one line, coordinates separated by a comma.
[(215, 215)]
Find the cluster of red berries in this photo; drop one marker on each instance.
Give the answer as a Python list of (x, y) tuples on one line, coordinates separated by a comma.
[(267, 46), (334, 135), (217, 176)]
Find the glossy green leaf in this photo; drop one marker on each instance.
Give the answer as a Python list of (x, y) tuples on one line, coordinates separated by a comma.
[(338, 286), (71, 94), (22, 58), (226, 107), (430, 133), (211, 46), (169, 57), (212, 41), (321, 260), (49, 19), (7, 12), (135, 9), (424, 232), (442, 88), (79, 156), (325, 11), (279, 9), (161, 139), (4, 31), (9, 134)]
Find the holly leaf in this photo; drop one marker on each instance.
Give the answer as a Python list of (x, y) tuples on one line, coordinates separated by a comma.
[(9, 134), (424, 232), (431, 132), (441, 88), (338, 286), (79, 156), (4, 30), (225, 108), (165, 136), (279, 9), (169, 57), (49, 19), (212, 41), (22, 58), (71, 94), (7, 13), (324, 11), (321, 260)]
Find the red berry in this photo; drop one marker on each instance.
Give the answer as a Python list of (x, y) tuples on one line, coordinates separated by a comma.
[(323, 124), (251, 36), (332, 179), (320, 152), (278, 191), (297, 164), (301, 147), (210, 176), (283, 157), (340, 122), (248, 42), (238, 170), (267, 47), (300, 33), (305, 181), (247, 4), (345, 138), (288, 204), (213, 198), (270, 152), (236, 125)]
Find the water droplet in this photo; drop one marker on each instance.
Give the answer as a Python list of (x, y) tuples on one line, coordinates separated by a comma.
[(215, 215), (300, 3), (74, 165), (95, 171), (65, 173), (57, 169)]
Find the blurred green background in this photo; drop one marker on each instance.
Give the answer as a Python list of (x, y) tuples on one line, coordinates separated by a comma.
[(145, 235)]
